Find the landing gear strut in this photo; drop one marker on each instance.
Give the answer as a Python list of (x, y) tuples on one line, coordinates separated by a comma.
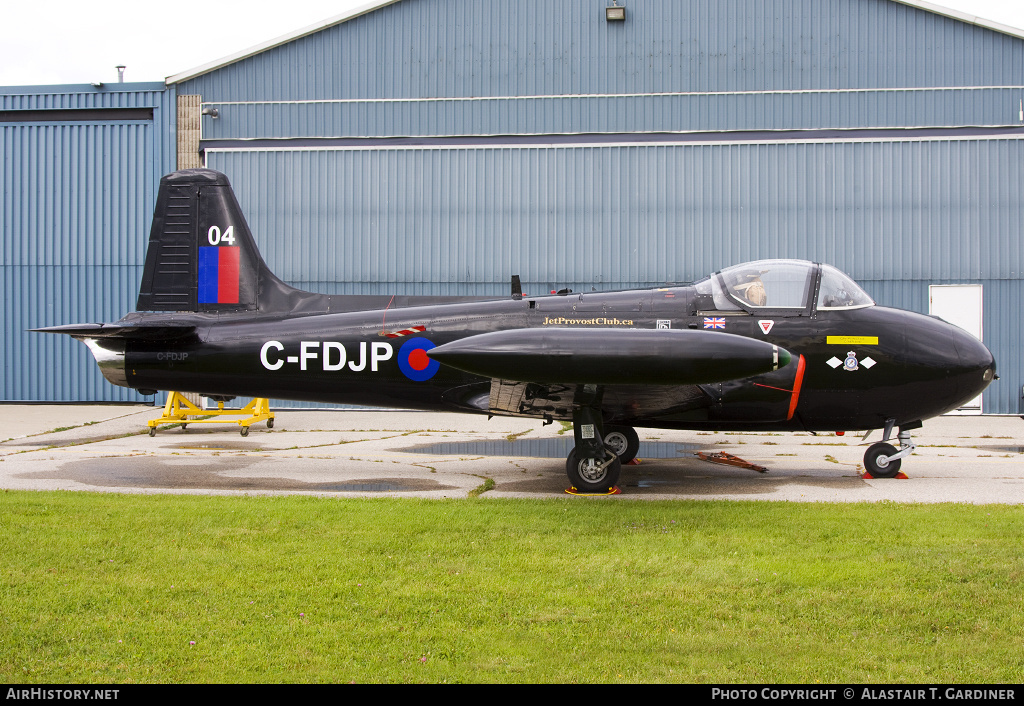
[(591, 466), (882, 460)]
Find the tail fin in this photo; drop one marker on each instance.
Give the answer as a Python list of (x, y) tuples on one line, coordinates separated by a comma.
[(202, 256)]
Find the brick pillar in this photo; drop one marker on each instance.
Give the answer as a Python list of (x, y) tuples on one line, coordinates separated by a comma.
[(189, 117)]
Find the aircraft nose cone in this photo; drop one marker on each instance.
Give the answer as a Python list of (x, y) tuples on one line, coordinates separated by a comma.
[(977, 365)]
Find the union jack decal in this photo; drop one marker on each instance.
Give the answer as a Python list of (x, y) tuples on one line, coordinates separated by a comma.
[(714, 322)]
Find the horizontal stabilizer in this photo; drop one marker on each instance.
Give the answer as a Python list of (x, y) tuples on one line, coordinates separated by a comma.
[(612, 356), (161, 332)]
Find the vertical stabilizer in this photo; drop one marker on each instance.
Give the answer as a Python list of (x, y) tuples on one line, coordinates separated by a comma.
[(202, 258), (201, 255)]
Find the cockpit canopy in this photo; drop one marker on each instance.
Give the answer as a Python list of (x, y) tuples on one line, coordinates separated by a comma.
[(783, 286)]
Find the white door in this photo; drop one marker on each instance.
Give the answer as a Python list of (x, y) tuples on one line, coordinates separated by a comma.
[(960, 305)]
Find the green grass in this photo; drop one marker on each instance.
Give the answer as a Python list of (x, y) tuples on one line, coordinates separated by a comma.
[(104, 588)]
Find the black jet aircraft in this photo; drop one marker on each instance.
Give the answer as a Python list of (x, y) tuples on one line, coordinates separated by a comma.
[(774, 345)]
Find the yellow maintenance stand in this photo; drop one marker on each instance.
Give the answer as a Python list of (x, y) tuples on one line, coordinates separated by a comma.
[(179, 410)]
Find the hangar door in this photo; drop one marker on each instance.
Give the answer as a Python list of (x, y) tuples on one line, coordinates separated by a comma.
[(78, 194)]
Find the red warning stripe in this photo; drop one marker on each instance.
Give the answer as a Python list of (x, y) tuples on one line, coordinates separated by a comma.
[(405, 332), (796, 387)]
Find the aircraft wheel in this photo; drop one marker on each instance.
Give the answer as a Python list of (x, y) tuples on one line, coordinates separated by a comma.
[(244, 431), (877, 463), (622, 441), (587, 478)]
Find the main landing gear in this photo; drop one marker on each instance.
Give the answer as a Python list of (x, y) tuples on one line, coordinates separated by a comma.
[(594, 472), (882, 460), (594, 464)]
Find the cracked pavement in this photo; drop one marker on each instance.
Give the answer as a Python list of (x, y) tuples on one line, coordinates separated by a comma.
[(106, 448)]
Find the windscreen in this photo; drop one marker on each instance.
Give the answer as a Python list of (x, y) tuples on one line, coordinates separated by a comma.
[(838, 291)]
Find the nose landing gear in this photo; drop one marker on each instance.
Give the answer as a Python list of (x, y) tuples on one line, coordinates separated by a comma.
[(882, 460)]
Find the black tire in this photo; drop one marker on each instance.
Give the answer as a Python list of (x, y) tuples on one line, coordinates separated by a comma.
[(270, 423), (876, 460), (152, 431), (586, 481), (184, 427), (622, 441), (244, 431)]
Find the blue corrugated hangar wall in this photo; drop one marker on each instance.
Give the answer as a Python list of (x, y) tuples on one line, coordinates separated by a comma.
[(81, 165), (432, 146)]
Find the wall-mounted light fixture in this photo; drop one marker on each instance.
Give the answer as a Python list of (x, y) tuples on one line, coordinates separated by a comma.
[(212, 112), (615, 13)]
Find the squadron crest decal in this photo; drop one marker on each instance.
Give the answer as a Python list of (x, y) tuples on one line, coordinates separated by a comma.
[(851, 363)]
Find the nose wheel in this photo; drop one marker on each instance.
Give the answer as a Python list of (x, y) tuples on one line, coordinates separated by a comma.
[(879, 461), (882, 460)]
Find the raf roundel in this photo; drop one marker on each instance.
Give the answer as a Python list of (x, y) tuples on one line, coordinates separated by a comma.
[(414, 362)]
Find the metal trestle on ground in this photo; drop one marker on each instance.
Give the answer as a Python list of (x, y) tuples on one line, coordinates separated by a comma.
[(179, 410)]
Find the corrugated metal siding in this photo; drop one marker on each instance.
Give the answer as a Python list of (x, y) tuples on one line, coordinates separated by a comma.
[(84, 206), (439, 48), (77, 202), (35, 366), (1004, 335), (122, 95)]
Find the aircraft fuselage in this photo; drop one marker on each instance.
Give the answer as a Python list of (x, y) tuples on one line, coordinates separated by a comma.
[(860, 367)]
